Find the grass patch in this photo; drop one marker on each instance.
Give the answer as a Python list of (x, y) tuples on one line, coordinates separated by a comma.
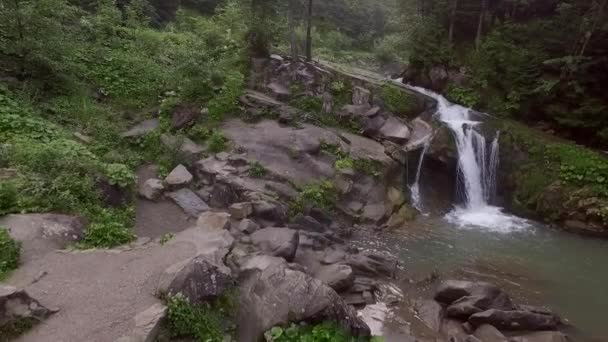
[(217, 142), (208, 322), (257, 170), (397, 101), (346, 161), (10, 251), (323, 332)]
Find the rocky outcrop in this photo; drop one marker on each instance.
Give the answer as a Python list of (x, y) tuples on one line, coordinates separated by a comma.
[(278, 295), (147, 324), (280, 242), (141, 129), (40, 234), (461, 307), (19, 311)]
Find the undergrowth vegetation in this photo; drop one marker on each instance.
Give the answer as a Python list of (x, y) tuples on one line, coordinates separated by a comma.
[(209, 322), (10, 251), (74, 79), (316, 195), (323, 332)]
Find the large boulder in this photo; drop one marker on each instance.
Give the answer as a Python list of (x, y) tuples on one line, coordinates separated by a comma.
[(40, 234), (515, 320), (470, 297), (184, 115), (488, 333), (196, 279), (269, 212), (429, 312), (214, 220), (281, 242), (361, 96), (278, 295), (190, 203), (394, 130), (147, 324), (182, 145), (339, 277), (18, 310), (151, 189)]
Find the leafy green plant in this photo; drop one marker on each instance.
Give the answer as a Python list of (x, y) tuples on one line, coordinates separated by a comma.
[(10, 251), (8, 197), (121, 175), (345, 163), (205, 322), (467, 97), (217, 142), (166, 238), (323, 332), (308, 104), (257, 170), (320, 195), (108, 230)]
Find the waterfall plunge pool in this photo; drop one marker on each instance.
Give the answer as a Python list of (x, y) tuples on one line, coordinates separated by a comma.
[(535, 264)]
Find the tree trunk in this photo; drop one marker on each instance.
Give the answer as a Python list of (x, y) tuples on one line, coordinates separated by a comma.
[(292, 29), (596, 21), (482, 15), (20, 32), (309, 32), (452, 20)]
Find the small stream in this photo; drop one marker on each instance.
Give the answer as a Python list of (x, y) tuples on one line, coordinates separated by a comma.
[(537, 265)]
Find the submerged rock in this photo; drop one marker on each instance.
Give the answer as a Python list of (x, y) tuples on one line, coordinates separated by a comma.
[(515, 320)]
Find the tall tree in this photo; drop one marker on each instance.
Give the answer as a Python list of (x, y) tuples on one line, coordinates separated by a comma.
[(482, 16), (309, 32), (292, 29), (452, 20)]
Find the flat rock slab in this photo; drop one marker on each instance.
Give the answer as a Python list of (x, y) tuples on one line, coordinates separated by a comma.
[(141, 128), (155, 219), (98, 292), (43, 233), (190, 203)]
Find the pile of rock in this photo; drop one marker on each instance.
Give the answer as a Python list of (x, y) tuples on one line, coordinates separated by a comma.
[(479, 311)]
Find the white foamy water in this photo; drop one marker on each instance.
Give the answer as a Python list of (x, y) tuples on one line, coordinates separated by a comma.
[(477, 168)]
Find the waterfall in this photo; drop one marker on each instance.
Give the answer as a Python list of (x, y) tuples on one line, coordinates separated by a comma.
[(415, 188), (476, 168)]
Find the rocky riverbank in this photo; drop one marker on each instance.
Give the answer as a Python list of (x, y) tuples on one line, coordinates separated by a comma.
[(317, 155)]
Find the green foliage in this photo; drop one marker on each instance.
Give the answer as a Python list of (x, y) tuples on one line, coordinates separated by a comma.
[(342, 93), (323, 332), (10, 251), (319, 195), (226, 102), (257, 170), (109, 230), (345, 163), (308, 104), (206, 322), (8, 197), (463, 95), (121, 175), (217, 142), (396, 100)]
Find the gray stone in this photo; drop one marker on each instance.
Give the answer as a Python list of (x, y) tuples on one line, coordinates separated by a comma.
[(488, 333), (151, 189), (213, 220), (394, 130), (373, 112), (16, 306), (483, 295), (261, 262), (222, 196), (278, 295), (269, 212), (183, 145), (279, 91), (542, 336), (429, 312), (196, 279), (214, 245), (247, 226), (190, 203), (354, 111), (339, 277), (184, 115), (241, 211), (281, 242), (372, 264), (148, 324), (374, 212), (332, 256), (515, 320), (453, 330), (307, 223), (180, 176), (469, 305), (40, 234), (141, 129), (361, 96)]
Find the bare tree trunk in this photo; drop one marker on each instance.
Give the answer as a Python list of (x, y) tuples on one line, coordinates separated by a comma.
[(20, 33), (292, 30), (309, 32), (589, 33), (452, 20), (482, 15)]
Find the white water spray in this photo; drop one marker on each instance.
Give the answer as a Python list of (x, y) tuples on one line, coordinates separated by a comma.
[(476, 168), (415, 188)]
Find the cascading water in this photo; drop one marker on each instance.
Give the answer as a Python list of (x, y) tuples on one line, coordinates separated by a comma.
[(476, 169), (415, 188)]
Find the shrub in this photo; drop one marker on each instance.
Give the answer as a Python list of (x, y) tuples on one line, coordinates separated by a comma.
[(396, 100), (109, 229), (206, 322), (320, 195), (10, 251), (121, 175), (217, 142), (323, 332), (345, 163), (257, 170), (8, 197)]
